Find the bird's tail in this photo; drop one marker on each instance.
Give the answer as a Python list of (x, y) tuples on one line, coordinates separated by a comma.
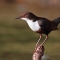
[(56, 21)]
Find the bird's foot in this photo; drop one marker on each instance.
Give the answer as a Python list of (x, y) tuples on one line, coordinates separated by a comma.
[(36, 47)]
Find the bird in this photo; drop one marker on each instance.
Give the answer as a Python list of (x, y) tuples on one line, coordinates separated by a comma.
[(40, 25)]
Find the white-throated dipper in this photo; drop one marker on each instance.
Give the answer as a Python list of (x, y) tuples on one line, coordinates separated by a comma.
[(40, 25)]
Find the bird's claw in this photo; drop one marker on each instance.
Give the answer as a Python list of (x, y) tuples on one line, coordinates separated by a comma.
[(40, 46)]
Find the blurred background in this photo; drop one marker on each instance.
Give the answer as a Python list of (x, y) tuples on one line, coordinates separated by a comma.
[(17, 41)]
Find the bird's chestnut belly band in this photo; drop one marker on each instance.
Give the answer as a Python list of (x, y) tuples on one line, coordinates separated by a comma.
[(39, 31)]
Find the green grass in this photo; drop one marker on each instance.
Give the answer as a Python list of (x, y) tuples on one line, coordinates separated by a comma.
[(17, 41)]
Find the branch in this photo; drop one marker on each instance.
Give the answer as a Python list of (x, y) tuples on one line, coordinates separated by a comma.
[(38, 53)]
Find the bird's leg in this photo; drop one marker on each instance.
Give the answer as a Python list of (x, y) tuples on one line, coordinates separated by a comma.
[(38, 40), (45, 40)]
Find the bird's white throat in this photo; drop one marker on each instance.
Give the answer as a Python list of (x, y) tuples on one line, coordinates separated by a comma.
[(33, 25)]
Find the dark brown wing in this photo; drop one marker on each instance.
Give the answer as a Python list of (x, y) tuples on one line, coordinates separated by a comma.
[(45, 25)]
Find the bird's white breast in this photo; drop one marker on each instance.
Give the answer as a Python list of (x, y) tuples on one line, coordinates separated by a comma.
[(33, 25)]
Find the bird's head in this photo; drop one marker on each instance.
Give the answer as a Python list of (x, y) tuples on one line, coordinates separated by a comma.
[(26, 16)]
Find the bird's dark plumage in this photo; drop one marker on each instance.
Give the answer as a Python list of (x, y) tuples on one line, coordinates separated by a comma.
[(45, 25), (56, 21)]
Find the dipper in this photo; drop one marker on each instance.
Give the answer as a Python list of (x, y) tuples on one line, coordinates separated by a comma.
[(40, 25)]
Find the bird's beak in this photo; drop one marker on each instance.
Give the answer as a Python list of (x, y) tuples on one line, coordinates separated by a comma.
[(17, 18)]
